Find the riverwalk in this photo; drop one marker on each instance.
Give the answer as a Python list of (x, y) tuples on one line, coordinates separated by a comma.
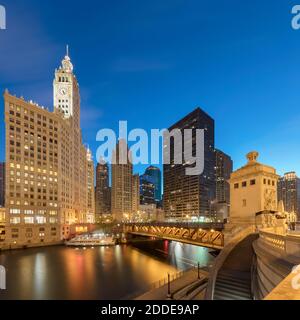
[(189, 286)]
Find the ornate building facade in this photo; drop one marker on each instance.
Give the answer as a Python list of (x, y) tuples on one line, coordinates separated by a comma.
[(253, 189), (49, 172)]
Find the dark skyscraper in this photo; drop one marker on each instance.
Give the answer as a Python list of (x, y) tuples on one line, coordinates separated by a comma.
[(147, 190), (102, 191), (289, 192), (155, 177), (224, 166), (191, 196), (2, 184)]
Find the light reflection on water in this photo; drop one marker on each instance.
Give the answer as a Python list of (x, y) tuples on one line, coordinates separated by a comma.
[(96, 274)]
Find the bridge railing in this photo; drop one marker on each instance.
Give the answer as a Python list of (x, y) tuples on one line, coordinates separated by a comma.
[(287, 245), (276, 241), (199, 225)]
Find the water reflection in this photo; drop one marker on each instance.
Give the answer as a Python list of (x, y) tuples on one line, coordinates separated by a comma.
[(99, 273)]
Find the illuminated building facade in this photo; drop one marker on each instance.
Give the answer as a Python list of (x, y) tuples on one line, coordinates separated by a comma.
[(50, 173), (135, 193), (122, 177), (154, 174), (223, 169), (102, 192), (2, 184), (253, 189), (187, 196), (147, 190), (289, 193)]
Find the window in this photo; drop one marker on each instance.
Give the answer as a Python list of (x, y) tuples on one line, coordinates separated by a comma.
[(252, 182), (244, 202), (41, 220), (15, 220), (273, 183), (15, 211), (236, 186), (29, 220), (28, 212), (265, 181), (244, 184), (53, 220)]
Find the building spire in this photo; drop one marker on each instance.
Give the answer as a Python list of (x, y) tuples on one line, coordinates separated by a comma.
[(66, 62)]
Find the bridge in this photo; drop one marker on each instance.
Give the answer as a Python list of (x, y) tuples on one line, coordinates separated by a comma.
[(201, 234)]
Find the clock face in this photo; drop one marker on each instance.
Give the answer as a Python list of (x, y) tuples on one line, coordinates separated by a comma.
[(63, 91)]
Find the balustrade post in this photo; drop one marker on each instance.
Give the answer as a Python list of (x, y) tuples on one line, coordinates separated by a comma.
[(169, 287)]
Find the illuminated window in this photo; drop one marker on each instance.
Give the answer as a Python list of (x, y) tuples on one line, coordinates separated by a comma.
[(53, 220), (29, 220), (15, 220), (28, 212), (15, 211), (40, 220)]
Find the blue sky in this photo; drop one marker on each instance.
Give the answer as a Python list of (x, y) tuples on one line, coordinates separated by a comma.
[(152, 62)]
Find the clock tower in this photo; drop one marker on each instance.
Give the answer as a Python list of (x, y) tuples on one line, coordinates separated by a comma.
[(65, 90)]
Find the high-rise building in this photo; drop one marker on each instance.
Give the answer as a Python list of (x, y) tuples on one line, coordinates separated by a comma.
[(90, 212), (122, 175), (2, 184), (50, 173), (187, 196), (289, 192), (147, 190), (135, 193), (223, 170), (102, 192), (155, 174)]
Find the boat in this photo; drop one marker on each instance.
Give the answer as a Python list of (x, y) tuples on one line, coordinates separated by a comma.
[(93, 240)]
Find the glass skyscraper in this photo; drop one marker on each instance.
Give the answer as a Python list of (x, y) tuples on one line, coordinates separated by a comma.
[(191, 196), (154, 176)]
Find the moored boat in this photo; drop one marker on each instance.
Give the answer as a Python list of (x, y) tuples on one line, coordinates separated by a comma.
[(91, 241)]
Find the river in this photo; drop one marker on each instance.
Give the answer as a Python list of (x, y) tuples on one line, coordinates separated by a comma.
[(102, 273)]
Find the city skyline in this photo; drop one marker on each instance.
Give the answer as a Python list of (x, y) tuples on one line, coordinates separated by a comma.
[(149, 151), (197, 72)]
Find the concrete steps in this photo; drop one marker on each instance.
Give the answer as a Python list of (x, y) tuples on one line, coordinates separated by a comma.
[(233, 281), (232, 287)]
